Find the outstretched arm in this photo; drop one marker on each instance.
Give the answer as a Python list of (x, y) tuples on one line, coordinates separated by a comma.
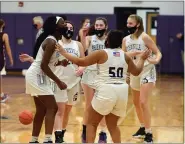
[(91, 59)]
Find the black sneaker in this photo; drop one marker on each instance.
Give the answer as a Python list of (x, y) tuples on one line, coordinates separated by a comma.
[(148, 138), (34, 142), (48, 142), (140, 133), (102, 137), (59, 136)]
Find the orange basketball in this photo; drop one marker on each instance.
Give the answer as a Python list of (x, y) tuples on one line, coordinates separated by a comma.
[(26, 117)]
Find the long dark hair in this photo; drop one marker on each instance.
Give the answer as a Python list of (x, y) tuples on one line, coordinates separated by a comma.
[(49, 28)]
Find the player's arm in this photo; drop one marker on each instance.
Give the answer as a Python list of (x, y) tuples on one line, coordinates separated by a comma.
[(49, 48), (153, 47), (136, 69), (91, 59), (81, 48), (87, 42), (8, 49), (131, 54)]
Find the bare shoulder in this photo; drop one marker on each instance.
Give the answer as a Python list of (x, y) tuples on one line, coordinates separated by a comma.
[(145, 36), (5, 35), (49, 42)]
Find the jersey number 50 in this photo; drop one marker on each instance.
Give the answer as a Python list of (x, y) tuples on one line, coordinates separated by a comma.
[(116, 72)]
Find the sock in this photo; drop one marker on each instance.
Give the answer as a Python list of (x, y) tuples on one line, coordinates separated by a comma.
[(84, 129), (34, 139), (48, 137), (58, 130), (103, 129), (148, 130), (142, 125)]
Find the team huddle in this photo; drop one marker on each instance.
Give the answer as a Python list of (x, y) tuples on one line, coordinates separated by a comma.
[(100, 63)]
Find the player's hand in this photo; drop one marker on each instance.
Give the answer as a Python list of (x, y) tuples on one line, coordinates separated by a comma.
[(59, 48), (80, 71), (11, 62), (145, 54), (25, 58), (128, 79), (62, 85)]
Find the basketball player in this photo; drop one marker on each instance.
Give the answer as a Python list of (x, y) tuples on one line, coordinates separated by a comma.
[(38, 78), (67, 98), (85, 24), (111, 89), (4, 45), (93, 43), (143, 84)]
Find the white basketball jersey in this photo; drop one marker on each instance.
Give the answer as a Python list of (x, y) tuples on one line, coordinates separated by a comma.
[(114, 70), (135, 45), (67, 74), (95, 44), (54, 58)]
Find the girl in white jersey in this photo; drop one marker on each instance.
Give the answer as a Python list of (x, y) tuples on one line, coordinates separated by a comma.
[(111, 89), (38, 78), (66, 98), (68, 74), (143, 84), (93, 43)]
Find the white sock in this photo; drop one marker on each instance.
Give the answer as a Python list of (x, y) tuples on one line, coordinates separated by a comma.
[(142, 125), (34, 138), (58, 130), (149, 130), (103, 129), (48, 137)]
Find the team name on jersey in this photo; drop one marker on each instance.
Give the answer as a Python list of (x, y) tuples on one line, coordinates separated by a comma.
[(72, 51), (97, 47), (134, 47)]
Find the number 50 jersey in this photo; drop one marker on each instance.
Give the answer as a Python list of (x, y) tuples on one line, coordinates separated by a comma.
[(114, 70)]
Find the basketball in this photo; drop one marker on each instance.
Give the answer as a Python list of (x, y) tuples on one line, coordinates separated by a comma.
[(26, 117)]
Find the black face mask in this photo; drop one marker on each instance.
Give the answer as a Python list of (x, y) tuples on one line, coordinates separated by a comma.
[(35, 26), (100, 33), (62, 30), (68, 34), (131, 30)]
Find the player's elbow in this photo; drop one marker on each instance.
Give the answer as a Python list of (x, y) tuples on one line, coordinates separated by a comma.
[(136, 72), (44, 67), (81, 62)]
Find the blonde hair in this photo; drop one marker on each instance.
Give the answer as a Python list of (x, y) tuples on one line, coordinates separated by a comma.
[(38, 19), (139, 21)]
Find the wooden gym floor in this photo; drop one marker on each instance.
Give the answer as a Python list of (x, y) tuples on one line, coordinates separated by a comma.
[(166, 103)]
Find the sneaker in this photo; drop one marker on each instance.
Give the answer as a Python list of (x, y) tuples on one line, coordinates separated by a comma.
[(140, 133), (34, 142), (102, 137), (4, 98), (59, 136), (148, 138), (83, 138), (48, 142)]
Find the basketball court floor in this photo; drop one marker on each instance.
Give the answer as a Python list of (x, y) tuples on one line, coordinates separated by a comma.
[(166, 103)]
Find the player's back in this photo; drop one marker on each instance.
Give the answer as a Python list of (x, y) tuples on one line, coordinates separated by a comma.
[(114, 70)]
